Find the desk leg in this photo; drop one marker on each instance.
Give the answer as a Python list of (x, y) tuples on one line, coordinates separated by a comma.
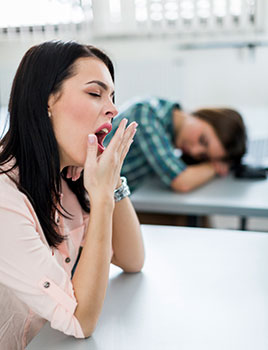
[(243, 223), (193, 220)]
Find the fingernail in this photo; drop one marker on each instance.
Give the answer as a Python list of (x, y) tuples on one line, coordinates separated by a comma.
[(91, 139), (75, 177), (134, 125)]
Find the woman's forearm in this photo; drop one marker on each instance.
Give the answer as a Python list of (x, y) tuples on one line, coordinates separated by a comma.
[(193, 176), (101, 173), (128, 249), (92, 272)]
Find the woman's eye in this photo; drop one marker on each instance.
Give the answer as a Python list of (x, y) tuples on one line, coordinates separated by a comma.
[(203, 141), (94, 94)]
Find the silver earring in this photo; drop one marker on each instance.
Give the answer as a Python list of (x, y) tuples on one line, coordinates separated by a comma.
[(49, 114)]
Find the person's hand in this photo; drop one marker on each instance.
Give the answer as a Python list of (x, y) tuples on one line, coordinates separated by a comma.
[(221, 168), (74, 172), (101, 173)]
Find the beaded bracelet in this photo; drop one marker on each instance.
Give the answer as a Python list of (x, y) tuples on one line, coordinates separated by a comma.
[(122, 191)]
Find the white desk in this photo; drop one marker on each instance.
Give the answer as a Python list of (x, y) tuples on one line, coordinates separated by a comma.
[(225, 196), (200, 289)]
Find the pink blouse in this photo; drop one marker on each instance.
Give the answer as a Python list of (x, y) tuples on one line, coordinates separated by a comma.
[(35, 280)]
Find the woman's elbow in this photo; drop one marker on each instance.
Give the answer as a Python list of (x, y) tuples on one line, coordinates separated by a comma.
[(134, 268), (87, 324), (131, 266), (88, 330), (180, 186)]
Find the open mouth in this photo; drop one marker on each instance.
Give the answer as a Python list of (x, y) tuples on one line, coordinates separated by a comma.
[(101, 133)]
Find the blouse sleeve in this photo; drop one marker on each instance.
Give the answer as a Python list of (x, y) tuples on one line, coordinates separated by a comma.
[(28, 268)]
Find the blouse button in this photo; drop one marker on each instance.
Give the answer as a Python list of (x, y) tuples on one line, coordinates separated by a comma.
[(46, 284), (67, 260)]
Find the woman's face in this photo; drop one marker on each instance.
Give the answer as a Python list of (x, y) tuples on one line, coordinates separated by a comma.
[(198, 139), (83, 106)]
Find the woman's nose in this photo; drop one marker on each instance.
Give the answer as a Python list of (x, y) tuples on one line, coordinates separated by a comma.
[(111, 110)]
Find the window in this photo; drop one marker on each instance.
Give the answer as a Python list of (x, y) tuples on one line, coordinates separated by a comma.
[(35, 13), (137, 17), (177, 16), (192, 14)]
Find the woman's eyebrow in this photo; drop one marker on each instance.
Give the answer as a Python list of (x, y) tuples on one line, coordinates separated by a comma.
[(100, 83)]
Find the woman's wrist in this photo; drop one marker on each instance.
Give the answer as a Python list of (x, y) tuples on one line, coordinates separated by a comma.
[(119, 183), (122, 191), (104, 202), (214, 169)]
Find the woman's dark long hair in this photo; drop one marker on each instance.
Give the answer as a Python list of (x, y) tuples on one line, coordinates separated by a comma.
[(230, 129), (30, 140)]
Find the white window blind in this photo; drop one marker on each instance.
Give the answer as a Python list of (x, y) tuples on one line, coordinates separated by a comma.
[(119, 18), (138, 17), (17, 16)]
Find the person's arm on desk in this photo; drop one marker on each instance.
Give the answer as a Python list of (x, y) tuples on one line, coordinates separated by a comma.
[(128, 250), (196, 175), (91, 275)]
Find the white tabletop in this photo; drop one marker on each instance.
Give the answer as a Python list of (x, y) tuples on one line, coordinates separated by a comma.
[(225, 196), (200, 289)]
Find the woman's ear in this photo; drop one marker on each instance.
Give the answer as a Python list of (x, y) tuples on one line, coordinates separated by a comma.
[(50, 103), (52, 99)]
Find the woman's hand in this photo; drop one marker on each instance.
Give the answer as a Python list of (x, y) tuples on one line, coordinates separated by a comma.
[(101, 173), (221, 168), (74, 172)]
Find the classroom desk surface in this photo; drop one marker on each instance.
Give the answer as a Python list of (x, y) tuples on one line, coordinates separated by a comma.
[(225, 196), (200, 289)]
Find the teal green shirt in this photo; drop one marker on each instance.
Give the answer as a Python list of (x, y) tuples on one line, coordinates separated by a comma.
[(152, 151)]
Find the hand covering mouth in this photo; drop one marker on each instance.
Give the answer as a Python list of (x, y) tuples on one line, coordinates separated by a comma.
[(101, 133)]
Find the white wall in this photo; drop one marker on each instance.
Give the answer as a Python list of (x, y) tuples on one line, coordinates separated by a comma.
[(234, 77), (196, 77)]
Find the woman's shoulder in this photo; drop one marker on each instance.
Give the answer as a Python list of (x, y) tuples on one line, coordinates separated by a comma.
[(10, 193), (8, 186), (14, 201)]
